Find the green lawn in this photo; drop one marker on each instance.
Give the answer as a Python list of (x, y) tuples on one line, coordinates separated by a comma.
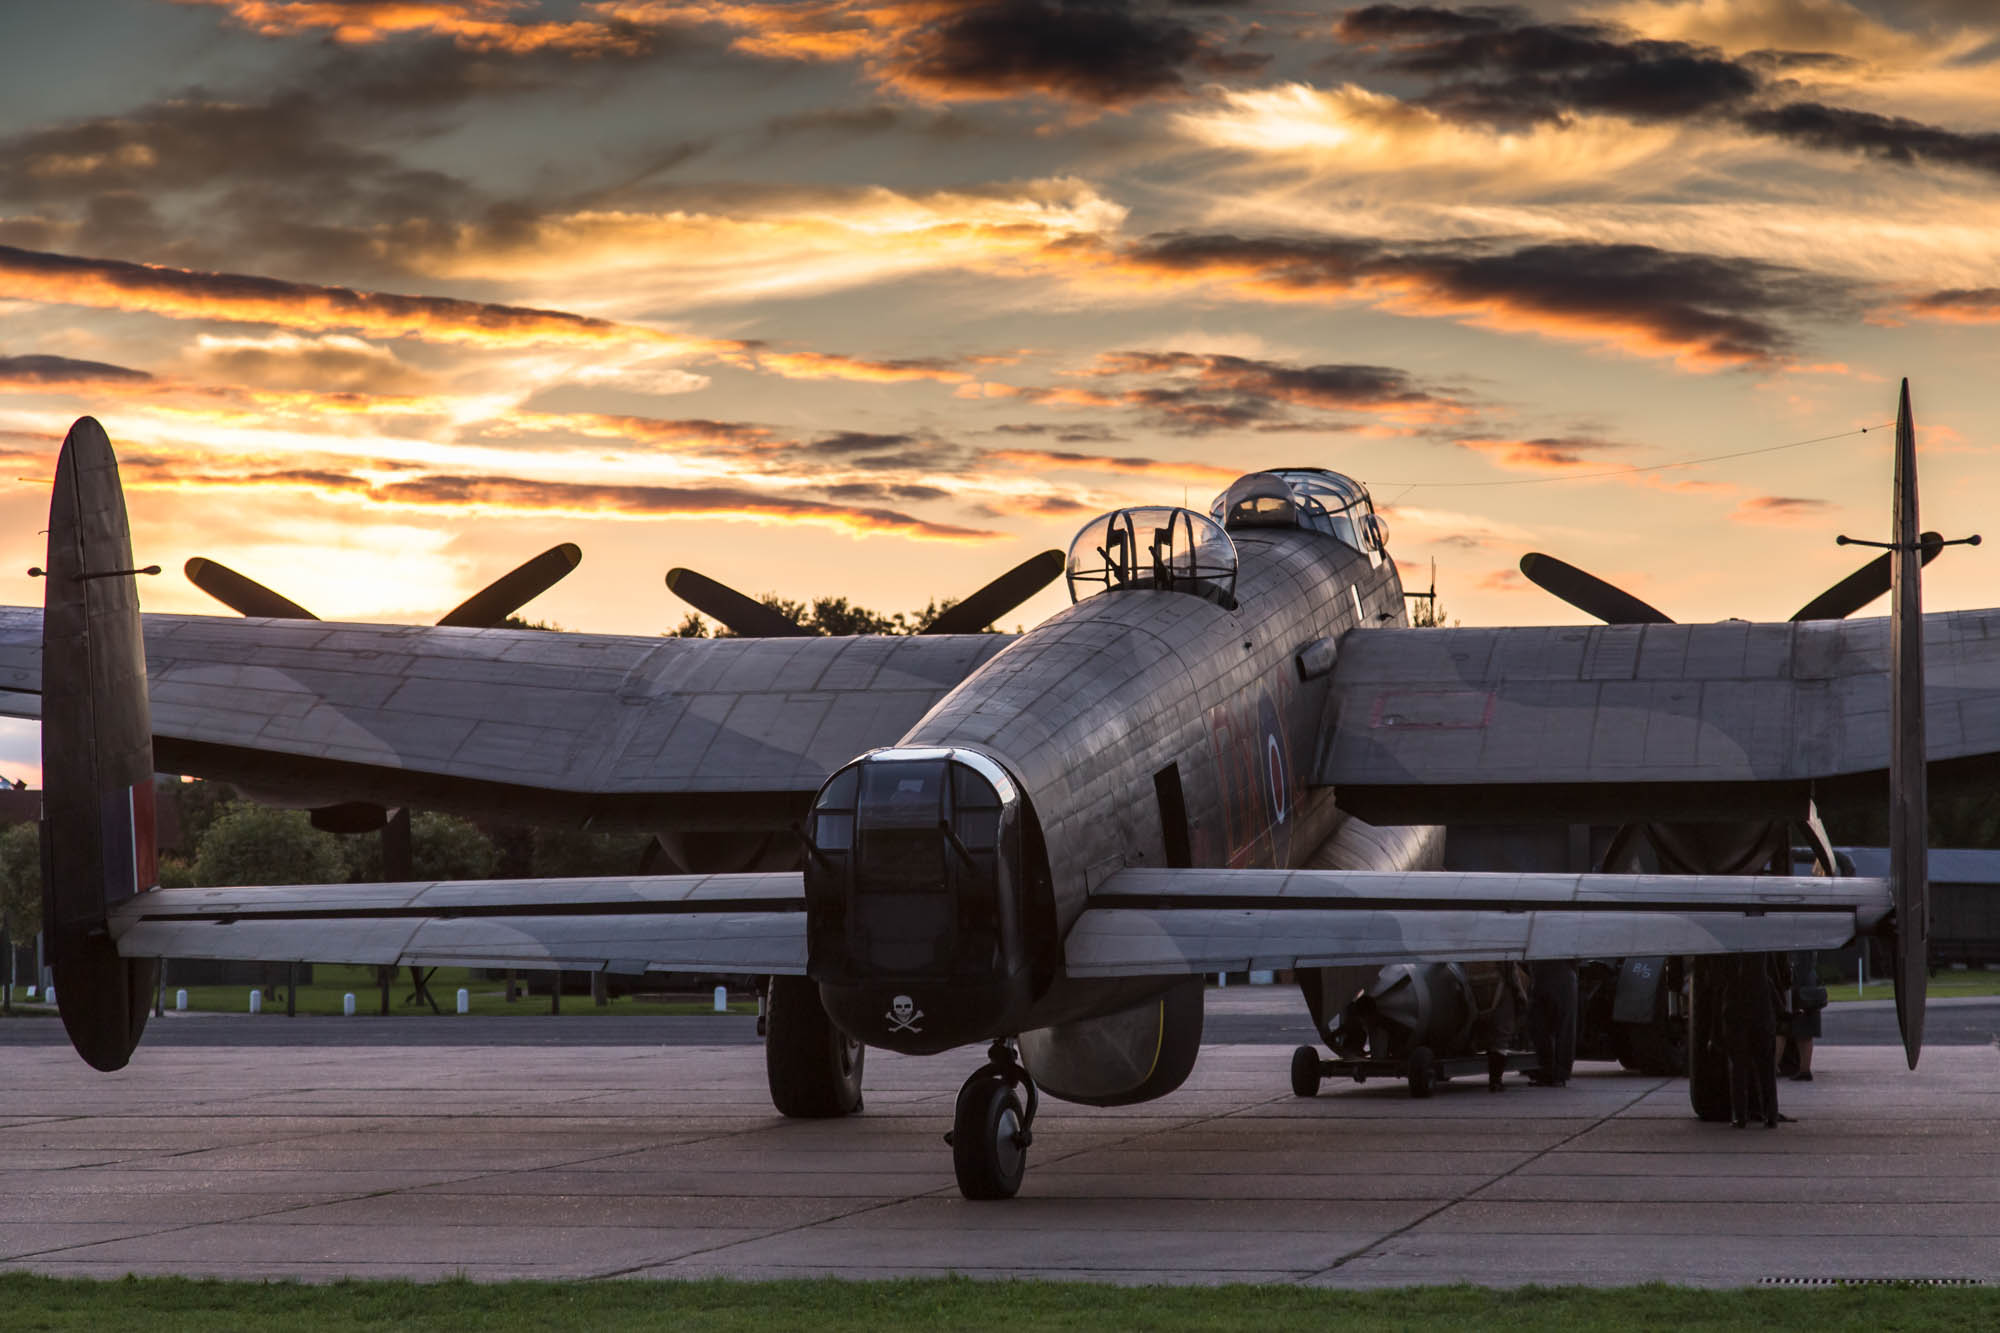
[(174, 1305), (1945, 983), (331, 981)]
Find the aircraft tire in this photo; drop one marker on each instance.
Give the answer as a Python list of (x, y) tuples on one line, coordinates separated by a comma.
[(1707, 1064), (1423, 1071), (813, 1068), (1305, 1072), (989, 1152)]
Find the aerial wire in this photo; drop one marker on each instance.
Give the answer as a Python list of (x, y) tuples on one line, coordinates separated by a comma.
[(1409, 486)]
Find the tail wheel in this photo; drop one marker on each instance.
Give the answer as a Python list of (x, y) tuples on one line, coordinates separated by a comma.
[(813, 1068), (989, 1140)]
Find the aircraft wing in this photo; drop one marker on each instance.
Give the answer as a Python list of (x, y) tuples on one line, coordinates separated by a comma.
[(1146, 922), (663, 923), (667, 732), (1613, 722)]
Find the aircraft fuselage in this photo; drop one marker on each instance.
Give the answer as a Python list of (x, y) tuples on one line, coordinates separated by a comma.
[(1140, 727)]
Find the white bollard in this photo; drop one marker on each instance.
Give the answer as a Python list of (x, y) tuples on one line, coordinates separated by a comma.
[(181, 1000), (31, 992), (347, 1005), (1221, 979), (464, 1000), (256, 1002), (48, 995), (722, 999)]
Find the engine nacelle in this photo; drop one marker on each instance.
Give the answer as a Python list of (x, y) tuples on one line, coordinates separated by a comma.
[(1144, 1052)]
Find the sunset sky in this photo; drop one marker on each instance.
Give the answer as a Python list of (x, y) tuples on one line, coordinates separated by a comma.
[(377, 299)]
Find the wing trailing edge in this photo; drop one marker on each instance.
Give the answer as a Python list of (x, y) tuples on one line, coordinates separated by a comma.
[(1176, 922)]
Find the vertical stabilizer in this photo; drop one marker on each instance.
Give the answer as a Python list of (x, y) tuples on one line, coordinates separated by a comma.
[(98, 845), (1909, 870)]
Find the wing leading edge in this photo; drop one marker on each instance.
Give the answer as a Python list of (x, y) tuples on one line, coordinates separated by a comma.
[(663, 923), (1164, 922)]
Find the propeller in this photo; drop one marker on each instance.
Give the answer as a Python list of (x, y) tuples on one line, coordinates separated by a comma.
[(750, 619), (485, 609), (1000, 596), (1589, 593), (1614, 606), (754, 620), (242, 594)]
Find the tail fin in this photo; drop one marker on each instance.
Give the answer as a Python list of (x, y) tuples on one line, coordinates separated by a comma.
[(1909, 869), (98, 844)]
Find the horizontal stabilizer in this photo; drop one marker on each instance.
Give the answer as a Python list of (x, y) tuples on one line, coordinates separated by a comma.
[(662, 923), (1169, 922)]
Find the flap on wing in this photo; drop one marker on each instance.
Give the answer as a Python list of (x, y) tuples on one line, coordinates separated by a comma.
[(662, 923), (1613, 722), (1175, 922)]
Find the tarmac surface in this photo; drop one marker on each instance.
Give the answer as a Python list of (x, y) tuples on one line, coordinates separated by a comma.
[(320, 1149)]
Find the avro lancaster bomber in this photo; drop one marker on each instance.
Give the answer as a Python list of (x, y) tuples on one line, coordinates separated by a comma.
[(1036, 844)]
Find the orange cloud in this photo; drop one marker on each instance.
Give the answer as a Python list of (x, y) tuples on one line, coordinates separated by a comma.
[(1548, 453), (178, 293), (1961, 305), (478, 25), (1780, 509), (507, 495), (1194, 473), (834, 366)]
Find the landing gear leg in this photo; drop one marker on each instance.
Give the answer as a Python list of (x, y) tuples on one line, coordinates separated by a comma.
[(813, 1068), (991, 1131)]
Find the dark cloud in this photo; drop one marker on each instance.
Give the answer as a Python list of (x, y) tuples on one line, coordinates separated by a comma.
[(858, 491), (1965, 305), (1106, 53), (524, 493), (1331, 387), (1708, 307), (861, 442), (1890, 138), (64, 370), (1062, 434), (187, 294), (1500, 66)]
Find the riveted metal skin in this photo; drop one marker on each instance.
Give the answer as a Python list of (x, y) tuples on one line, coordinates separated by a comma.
[(97, 754)]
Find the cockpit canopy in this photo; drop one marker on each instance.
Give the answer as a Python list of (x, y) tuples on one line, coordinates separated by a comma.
[(1309, 498), (1176, 550)]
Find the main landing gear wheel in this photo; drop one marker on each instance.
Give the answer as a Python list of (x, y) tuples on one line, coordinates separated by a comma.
[(1423, 1071), (813, 1068), (991, 1130), (1305, 1072), (1707, 1060)]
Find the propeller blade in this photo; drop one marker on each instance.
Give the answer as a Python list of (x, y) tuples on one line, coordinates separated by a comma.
[(1000, 596), (245, 596), (1861, 587), (752, 620), (1588, 593), (491, 605)]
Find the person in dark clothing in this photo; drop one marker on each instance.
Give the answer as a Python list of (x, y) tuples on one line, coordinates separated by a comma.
[(1552, 1020), (1802, 1024), (1750, 1004), (1496, 992)]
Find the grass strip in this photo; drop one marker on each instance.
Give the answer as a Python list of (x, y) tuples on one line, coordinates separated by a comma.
[(169, 1305)]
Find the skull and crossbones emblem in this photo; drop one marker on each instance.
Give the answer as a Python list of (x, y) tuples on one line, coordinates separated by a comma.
[(903, 1015)]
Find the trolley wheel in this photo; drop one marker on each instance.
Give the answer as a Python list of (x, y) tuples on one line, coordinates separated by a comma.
[(1423, 1071), (1305, 1072)]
